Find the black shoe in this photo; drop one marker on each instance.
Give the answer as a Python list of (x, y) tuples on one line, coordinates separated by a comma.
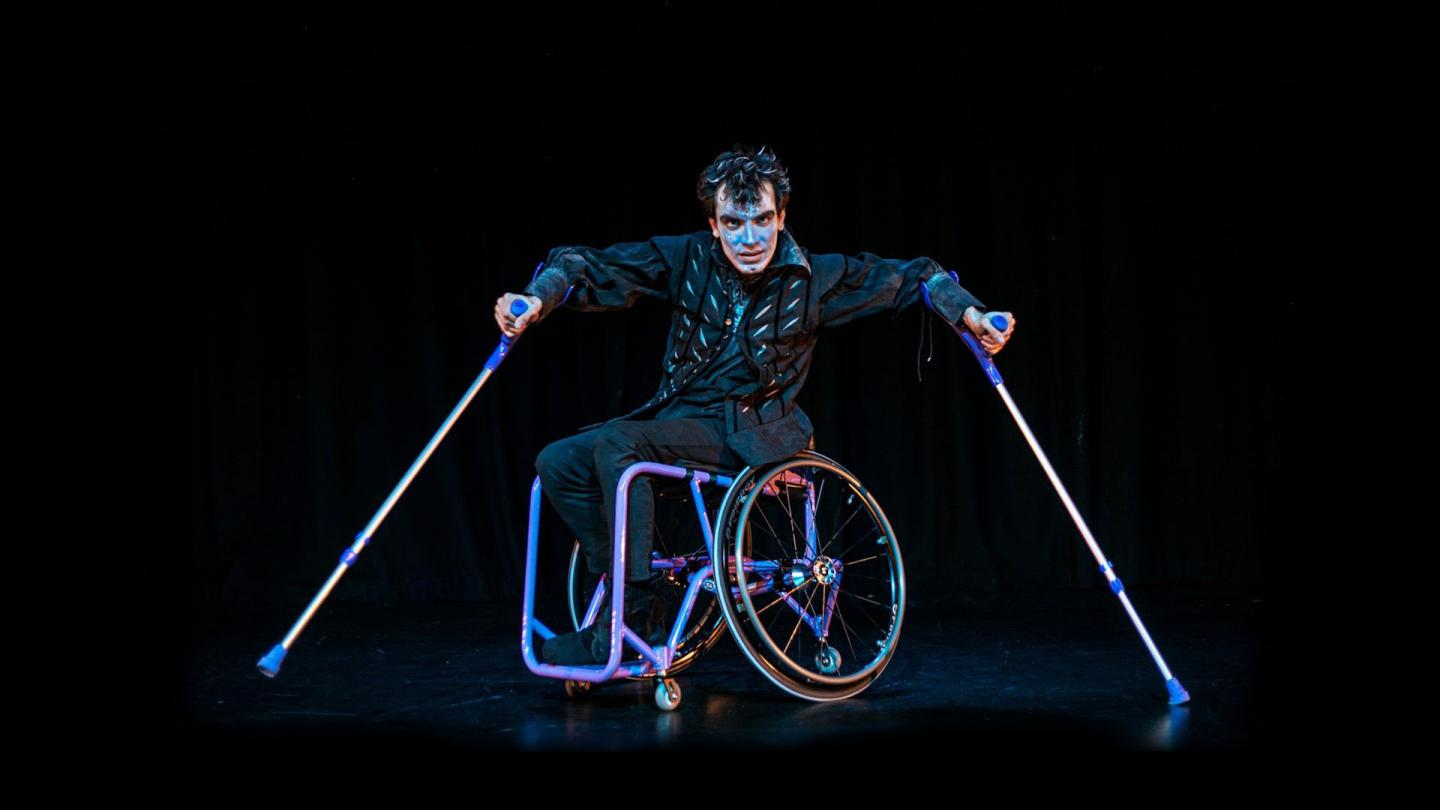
[(591, 645), (570, 649), (664, 609), (639, 610)]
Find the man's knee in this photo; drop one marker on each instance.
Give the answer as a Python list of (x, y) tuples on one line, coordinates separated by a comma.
[(615, 444), (564, 460)]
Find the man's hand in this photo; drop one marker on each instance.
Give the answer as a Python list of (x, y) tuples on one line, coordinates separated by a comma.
[(991, 339), (509, 324)]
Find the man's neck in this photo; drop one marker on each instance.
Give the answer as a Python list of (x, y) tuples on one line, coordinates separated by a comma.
[(749, 279)]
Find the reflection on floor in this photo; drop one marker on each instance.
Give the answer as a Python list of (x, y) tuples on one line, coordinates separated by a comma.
[(1018, 671)]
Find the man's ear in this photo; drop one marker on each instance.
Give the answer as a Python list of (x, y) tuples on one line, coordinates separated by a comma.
[(714, 231), (780, 220)]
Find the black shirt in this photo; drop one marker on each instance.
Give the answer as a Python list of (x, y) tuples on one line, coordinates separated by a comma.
[(705, 396)]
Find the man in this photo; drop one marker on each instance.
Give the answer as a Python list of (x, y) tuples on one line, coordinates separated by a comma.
[(747, 302)]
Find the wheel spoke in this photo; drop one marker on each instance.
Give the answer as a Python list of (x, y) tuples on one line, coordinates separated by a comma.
[(799, 620), (769, 526), (780, 598), (866, 614), (873, 528), (824, 634), (854, 595), (849, 575), (794, 529), (814, 514), (840, 614), (842, 528)]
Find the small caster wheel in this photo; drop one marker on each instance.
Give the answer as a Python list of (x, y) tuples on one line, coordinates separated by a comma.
[(577, 689), (667, 695), (828, 661)]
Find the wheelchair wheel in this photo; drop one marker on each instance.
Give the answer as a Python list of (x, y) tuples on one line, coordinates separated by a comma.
[(817, 584)]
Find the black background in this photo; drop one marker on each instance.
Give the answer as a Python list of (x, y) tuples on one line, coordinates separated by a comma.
[(350, 192)]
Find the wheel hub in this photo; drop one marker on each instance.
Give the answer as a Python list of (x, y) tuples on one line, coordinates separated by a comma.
[(825, 570)]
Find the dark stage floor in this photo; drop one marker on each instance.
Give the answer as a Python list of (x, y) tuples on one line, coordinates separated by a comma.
[(1045, 670)]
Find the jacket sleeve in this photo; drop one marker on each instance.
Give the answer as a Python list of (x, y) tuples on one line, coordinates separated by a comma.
[(607, 278), (870, 285)]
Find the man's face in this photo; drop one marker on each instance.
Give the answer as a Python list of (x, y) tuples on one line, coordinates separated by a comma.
[(748, 234)]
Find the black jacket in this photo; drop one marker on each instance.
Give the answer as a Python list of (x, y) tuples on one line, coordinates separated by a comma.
[(801, 293)]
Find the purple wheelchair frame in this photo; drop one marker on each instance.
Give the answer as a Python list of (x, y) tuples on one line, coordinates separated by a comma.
[(655, 660)]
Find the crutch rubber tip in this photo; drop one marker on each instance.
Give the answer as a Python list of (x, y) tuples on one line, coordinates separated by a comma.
[(1178, 694), (269, 666)]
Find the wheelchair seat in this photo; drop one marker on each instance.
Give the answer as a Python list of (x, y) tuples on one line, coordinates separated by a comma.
[(713, 469)]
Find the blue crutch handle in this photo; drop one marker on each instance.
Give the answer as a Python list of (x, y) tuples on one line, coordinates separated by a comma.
[(987, 364), (983, 357), (518, 307)]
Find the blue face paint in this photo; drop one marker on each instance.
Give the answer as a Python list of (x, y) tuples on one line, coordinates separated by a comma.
[(748, 234)]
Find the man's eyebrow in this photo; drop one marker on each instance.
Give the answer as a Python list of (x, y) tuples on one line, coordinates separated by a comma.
[(766, 212)]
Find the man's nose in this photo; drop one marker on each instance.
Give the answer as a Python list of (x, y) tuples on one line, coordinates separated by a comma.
[(747, 236)]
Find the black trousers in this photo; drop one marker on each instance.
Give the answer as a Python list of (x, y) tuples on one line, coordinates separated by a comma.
[(579, 475)]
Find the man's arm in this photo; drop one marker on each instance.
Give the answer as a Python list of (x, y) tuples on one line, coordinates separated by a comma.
[(608, 278), (870, 285)]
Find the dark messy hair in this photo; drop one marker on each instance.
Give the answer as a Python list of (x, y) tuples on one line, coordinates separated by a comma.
[(742, 171)]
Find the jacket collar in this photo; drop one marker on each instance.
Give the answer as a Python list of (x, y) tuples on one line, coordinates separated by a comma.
[(787, 254)]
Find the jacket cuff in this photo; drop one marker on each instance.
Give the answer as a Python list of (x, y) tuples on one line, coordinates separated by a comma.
[(551, 287), (949, 299)]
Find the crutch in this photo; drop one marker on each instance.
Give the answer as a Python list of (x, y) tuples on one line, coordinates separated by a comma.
[(269, 665), (1178, 694)]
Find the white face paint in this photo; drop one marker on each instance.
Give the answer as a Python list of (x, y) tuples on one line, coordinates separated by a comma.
[(748, 234)]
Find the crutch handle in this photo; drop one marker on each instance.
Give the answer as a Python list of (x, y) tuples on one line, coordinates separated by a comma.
[(979, 351), (518, 307)]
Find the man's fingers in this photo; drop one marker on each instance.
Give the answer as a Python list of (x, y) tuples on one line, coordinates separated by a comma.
[(504, 322), (992, 339), (509, 325)]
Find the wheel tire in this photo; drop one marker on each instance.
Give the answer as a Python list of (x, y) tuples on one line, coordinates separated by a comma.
[(856, 555)]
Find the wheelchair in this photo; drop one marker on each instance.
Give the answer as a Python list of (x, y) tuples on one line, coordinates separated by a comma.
[(799, 565)]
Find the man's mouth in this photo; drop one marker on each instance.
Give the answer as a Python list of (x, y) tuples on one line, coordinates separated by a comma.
[(752, 256)]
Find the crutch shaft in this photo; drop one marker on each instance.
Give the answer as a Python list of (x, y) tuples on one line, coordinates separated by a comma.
[(1177, 692), (269, 664)]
